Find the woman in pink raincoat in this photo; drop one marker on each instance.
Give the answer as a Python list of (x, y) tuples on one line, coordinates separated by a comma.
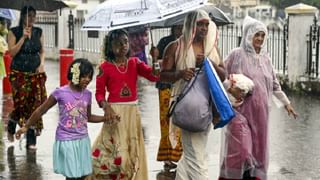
[(244, 153)]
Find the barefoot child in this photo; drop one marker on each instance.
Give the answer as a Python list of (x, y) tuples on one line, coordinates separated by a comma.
[(72, 149)]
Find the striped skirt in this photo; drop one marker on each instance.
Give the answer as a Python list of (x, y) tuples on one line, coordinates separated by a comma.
[(166, 152)]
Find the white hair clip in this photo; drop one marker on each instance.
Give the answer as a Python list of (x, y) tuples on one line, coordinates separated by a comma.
[(75, 73)]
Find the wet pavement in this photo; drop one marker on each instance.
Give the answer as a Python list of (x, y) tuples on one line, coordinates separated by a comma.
[(294, 144)]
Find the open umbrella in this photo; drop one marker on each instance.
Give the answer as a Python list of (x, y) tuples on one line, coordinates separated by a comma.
[(7, 14), (117, 14), (216, 15), (41, 5)]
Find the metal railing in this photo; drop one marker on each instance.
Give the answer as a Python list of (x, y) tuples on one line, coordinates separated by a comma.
[(49, 26), (83, 42), (313, 50), (229, 38)]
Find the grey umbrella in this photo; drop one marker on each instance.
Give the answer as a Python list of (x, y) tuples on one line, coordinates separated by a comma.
[(216, 15), (41, 5)]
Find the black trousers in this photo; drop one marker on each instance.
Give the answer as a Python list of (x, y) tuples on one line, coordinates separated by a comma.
[(31, 134)]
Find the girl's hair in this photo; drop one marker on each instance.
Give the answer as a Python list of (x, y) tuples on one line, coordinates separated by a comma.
[(23, 14), (113, 35), (3, 21), (85, 68)]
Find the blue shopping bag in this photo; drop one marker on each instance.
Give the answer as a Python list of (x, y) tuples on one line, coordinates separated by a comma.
[(218, 95)]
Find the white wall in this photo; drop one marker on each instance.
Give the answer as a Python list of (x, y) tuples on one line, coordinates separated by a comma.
[(299, 26)]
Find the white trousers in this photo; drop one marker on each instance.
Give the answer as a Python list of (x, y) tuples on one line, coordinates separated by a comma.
[(194, 162)]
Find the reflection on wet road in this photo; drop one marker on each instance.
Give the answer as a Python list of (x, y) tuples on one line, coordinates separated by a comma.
[(294, 144)]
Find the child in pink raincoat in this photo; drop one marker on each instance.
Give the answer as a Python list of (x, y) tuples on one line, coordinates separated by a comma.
[(237, 135)]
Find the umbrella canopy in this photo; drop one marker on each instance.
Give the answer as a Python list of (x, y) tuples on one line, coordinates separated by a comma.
[(7, 14), (117, 14), (216, 15), (41, 5)]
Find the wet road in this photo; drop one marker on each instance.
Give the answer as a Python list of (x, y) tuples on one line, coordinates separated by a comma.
[(294, 144)]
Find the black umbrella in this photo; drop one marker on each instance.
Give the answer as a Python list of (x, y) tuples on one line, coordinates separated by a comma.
[(41, 5), (216, 15)]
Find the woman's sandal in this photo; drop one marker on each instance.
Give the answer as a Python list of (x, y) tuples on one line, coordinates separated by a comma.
[(32, 147), (37, 132), (169, 165), (10, 137)]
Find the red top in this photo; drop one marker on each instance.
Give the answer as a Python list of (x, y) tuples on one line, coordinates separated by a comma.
[(121, 82)]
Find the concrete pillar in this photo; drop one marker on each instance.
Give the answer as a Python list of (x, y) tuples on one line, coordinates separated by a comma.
[(300, 19), (63, 29)]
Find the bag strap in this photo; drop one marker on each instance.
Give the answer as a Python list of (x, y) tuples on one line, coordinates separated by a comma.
[(183, 93)]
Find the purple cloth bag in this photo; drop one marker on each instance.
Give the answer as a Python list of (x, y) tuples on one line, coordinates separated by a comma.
[(192, 111)]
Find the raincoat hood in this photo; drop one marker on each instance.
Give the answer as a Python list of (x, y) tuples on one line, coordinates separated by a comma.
[(252, 26)]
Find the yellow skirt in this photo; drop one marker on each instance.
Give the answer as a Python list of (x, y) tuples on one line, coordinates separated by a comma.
[(2, 67), (166, 152), (119, 152)]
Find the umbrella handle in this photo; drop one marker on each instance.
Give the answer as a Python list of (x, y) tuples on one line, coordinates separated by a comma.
[(27, 16), (154, 52), (151, 35)]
